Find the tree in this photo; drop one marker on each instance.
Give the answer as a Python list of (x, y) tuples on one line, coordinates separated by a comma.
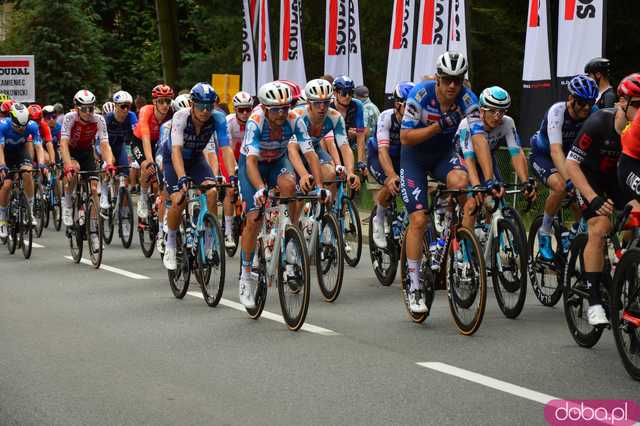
[(66, 44)]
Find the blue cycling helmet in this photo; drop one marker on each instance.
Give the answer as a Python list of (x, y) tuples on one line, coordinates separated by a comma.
[(495, 97), (583, 87), (343, 83), (203, 92), (401, 91)]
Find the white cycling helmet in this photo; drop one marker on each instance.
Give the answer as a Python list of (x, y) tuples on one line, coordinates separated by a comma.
[(48, 109), (495, 97), (84, 97), (318, 90), (303, 98), (122, 97), (275, 94), (181, 102), (452, 64), (108, 107), (242, 99), (19, 115)]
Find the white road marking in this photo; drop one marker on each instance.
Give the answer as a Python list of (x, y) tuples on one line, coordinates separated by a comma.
[(269, 315), (489, 382), (36, 245), (113, 269)]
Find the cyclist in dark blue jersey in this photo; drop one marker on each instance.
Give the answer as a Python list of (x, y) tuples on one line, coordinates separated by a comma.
[(550, 145), (352, 111)]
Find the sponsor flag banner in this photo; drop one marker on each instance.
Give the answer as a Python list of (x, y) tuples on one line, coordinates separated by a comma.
[(291, 64), (580, 37), (400, 44), (342, 53), (265, 64), (537, 87), (17, 77), (248, 52), (458, 28), (355, 50), (431, 40)]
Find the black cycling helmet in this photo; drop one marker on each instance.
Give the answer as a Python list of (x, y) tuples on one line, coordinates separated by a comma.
[(595, 65)]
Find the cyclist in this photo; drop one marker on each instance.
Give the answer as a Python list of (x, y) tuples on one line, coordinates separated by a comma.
[(591, 165), (183, 159), (352, 111), (432, 114), (5, 108), (145, 135), (383, 157), (120, 121), (15, 132), (263, 161), (49, 115), (629, 166), (80, 128), (598, 69), (501, 130), (35, 114), (550, 145)]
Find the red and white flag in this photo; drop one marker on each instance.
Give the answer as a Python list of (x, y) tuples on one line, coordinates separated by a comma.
[(355, 49), (265, 64), (248, 51), (342, 53), (291, 64), (432, 37), (458, 28), (400, 44)]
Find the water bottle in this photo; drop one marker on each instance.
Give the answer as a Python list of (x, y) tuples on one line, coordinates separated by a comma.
[(81, 216), (436, 248), (481, 233), (189, 238)]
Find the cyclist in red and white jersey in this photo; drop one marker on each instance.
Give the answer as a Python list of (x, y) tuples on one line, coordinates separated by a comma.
[(80, 129)]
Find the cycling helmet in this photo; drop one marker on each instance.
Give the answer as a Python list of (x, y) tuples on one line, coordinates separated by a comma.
[(162, 91), (181, 102), (303, 97), (48, 109), (35, 112), (275, 94), (242, 99), (318, 90), (583, 87), (19, 115), (401, 91), (58, 108), (495, 97), (452, 64), (84, 97), (108, 107), (122, 97), (203, 92), (295, 88), (343, 83), (4, 97), (597, 65), (630, 86), (5, 107)]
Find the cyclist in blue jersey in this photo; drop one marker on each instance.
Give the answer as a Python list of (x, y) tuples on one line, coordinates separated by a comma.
[(550, 146), (263, 161), (432, 114), (183, 157), (383, 157), (352, 111), (15, 131)]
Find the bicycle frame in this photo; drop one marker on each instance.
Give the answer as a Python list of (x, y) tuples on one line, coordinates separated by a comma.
[(264, 236)]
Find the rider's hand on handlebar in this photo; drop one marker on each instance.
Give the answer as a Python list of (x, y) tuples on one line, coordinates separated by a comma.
[(111, 170), (71, 169), (601, 206), (341, 170), (3, 171), (260, 197), (306, 183), (183, 183), (392, 183), (354, 182)]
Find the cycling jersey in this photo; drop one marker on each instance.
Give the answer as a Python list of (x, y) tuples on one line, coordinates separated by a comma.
[(55, 134), (557, 127), (82, 134), (11, 139), (607, 98), (631, 138), (236, 133), (597, 147), (333, 123), (120, 132), (269, 144), (503, 135), (183, 133), (354, 117), (165, 134), (387, 133), (148, 124)]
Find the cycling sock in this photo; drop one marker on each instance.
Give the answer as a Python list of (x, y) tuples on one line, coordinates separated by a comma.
[(171, 239), (380, 212), (547, 223), (246, 263), (413, 268), (67, 199), (592, 281), (228, 224)]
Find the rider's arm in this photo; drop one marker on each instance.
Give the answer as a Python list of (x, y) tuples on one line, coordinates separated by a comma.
[(574, 172), (555, 119), (229, 159), (306, 146), (178, 126), (253, 172), (177, 161), (51, 151), (65, 133), (360, 132), (330, 146), (224, 143), (383, 137), (518, 160), (558, 158), (296, 161), (146, 115), (411, 134), (2, 161), (103, 136), (483, 155)]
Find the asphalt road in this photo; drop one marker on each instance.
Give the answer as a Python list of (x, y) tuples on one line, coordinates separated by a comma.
[(80, 346)]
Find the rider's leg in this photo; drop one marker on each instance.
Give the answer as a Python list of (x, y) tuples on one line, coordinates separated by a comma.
[(27, 179), (459, 179), (4, 206), (227, 210), (145, 187), (557, 193), (287, 187), (599, 227)]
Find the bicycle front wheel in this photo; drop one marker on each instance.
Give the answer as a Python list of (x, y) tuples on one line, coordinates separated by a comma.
[(39, 210), (95, 233), (210, 261), (427, 280), (509, 268), (329, 258), (546, 277), (26, 228), (125, 218), (14, 225), (293, 278), (351, 232), (261, 291), (75, 232), (56, 211), (383, 260), (466, 281), (179, 279)]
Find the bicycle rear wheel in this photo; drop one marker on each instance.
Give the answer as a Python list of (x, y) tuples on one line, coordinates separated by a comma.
[(14, 224), (329, 258), (75, 232), (576, 297), (546, 277), (147, 235), (26, 228), (109, 225), (352, 232), (293, 278), (509, 268), (261, 290), (57, 211), (210, 261), (235, 231), (384, 260), (467, 281), (95, 233), (39, 210), (625, 311), (125, 218), (179, 279), (426, 276)]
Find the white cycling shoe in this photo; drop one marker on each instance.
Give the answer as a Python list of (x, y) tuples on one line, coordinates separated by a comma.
[(596, 315), (248, 283), (169, 258), (379, 237)]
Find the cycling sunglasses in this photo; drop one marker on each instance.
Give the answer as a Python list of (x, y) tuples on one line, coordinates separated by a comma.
[(86, 108), (51, 116), (164, 101), (345, 92), (278, 110), (124, 106), (446, 80), (201, 106), (582, 103), (498, 113), (243, 110), (317, 104)]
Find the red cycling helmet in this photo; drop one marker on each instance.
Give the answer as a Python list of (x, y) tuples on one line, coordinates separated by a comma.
[(296, 91), (162, 91), (5, 107), (630, 86), (35, 112)]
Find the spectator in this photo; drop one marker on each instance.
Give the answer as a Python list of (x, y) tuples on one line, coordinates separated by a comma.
[(140, 102), (598, 69), (328, 77), (371, 111)]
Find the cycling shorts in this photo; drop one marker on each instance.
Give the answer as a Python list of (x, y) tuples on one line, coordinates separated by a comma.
[(414, 167), (196, 168), (137, 149), (605, 186), (496, 170), (375, 168), (17, 157), (629, 176), (542, 165), (270, 171), (121, 159), (87, 161)]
